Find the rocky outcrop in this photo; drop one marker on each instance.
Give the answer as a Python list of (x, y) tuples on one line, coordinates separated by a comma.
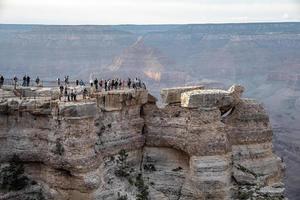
[(173, 95), (120, 145), (221, 99)]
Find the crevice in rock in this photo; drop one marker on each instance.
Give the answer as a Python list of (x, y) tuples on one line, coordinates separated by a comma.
[(227, 113), (64, 172)]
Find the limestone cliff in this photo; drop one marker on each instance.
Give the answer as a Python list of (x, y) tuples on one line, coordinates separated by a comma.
[(203, 144)]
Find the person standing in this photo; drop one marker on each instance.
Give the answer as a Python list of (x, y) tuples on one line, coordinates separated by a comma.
[(66, 80), (81, 83), (66, 94), (61, 89), (15, 81), (96, 84), (105, 85), (77, 82), (129, 83), (1, 81), (37, 81), (120, 84), (72, 95), (58, 81), (108, 84), (24, 80), (28, 81), (101, 84), (112, 84), (75, 95)]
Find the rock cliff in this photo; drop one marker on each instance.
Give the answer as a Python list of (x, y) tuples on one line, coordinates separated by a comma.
[(203, 144)]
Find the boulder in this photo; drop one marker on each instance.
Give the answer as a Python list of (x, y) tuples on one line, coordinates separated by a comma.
[(173, 95), (212, 98), (206, 99)]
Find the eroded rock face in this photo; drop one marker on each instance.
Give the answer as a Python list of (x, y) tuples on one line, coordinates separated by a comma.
[(186, 150)]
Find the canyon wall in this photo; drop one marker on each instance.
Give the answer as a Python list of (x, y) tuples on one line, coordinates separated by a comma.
[(203, 144)]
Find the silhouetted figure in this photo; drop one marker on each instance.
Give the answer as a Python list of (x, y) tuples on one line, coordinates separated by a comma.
[(105, 85), (120, 84), (58, 81), (75, 95), (81, 83), (72, 95), (101, 84), (1, 81), (67, 96), (24, 81), (28, 81), (108, 84), (15, 81), (129, 83), (96, 83), (66, 80), (37, 81), (112, 84), (61, 89)]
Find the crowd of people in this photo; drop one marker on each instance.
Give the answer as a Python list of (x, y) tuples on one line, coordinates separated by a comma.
[(26, 80), (70, 93), (116, 84), (97, 86)]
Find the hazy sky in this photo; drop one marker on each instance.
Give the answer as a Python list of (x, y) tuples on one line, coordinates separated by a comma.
[(147, 11)]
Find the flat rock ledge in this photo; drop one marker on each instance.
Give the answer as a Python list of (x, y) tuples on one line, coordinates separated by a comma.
[(173, 95), (212, 98)]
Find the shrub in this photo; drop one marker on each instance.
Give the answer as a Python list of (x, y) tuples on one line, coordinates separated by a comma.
[(12, 177), (122, 165), (122, 197), (59, 149), (177, 169), (149, 167), (141, 188)]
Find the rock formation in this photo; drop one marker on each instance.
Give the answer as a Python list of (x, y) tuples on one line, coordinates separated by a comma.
[(212, 144)]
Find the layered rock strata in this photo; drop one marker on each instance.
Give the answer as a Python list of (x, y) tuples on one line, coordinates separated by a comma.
[(120, 144)]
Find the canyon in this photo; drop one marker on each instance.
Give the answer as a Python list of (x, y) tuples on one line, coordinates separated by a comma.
[(202, 143), (263, 57)]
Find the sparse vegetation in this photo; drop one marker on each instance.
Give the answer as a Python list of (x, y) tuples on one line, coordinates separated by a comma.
[(123, 170), (12, 177), (142, 188), (122, 165), (59, 149), (177, 169), (246, 170), (122, 197), (149, 167)]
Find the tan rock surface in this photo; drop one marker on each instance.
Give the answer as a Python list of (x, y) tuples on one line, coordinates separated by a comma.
[(173, 95), (188, 152)]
